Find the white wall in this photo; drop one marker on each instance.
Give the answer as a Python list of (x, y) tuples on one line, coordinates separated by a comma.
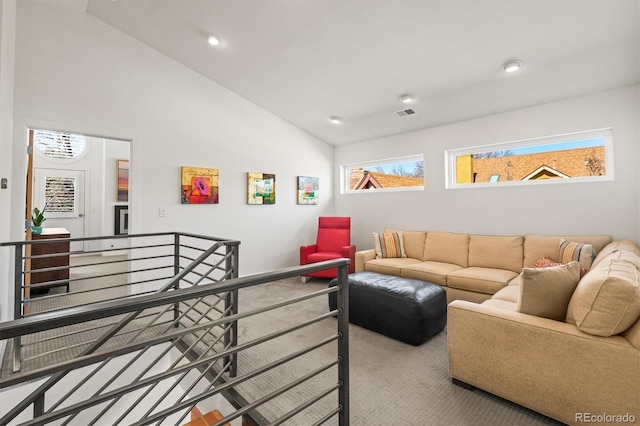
[(82, 75), (7, 46), (576, 208), (113, 151)]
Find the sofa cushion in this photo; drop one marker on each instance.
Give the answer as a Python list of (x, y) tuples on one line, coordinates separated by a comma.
[(414, 243), (447, 247), (390, 266), (516, 280), (510, 293), (388, 244), (498, 252), (572, 250), (433, 272), (500, 304), (539, 246), (633, 334), (607, 300), (620, 245), (481, 280), (545, 292)]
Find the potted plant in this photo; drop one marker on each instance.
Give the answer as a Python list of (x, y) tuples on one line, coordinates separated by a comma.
[(37, 217)]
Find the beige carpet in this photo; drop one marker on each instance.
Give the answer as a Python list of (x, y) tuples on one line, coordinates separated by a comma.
[(392, 383), (61, 344)]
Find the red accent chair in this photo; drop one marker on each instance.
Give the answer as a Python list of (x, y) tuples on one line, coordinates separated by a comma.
[(333, 242)]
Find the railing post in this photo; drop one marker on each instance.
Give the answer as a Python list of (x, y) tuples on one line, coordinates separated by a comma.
[(343, 344), (38, 406), (231, 303), (17, 306), (176, 271)]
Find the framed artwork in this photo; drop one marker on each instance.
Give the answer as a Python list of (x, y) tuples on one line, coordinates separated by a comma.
[(199, 185), (121, 220), (261, 188), (123, 180), (308, 188)]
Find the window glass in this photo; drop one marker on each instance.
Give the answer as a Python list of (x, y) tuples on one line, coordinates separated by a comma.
[(391, 174), (59, 144), (579, 156)]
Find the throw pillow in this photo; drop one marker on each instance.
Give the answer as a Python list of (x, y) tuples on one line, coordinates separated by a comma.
[(388, 244), (583, 253), (607, 300), (545, 262), (546, 292)]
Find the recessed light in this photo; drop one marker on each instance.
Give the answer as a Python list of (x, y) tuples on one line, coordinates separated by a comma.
[(213, 40), (512, 65), (407, 99), (335, 119)]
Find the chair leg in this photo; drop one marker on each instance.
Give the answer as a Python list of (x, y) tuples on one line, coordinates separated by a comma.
[(305, 279)]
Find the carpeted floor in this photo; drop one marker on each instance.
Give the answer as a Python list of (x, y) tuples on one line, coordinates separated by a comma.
[(54, 346), (392, 383)]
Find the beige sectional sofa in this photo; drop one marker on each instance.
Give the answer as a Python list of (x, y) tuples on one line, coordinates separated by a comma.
[(584, 368), (470, 267)]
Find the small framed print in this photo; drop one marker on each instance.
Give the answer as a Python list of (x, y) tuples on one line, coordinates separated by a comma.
[(308, 190), (123, 180), (121, 222)]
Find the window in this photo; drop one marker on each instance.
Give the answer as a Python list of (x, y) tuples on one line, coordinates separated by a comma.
[(575, 157), (59, 144), (405, 173)]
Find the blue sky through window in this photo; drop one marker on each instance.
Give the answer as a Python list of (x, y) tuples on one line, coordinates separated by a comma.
[(407, 166), (582, 143)]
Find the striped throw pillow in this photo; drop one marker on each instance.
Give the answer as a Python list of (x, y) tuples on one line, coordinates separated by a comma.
[(583, 253), (388, 244)]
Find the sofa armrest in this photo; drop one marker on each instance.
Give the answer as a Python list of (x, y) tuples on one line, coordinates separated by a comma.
[(548, 366), (362, 257), (306, 251)]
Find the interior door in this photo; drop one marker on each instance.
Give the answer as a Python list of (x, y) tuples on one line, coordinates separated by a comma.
[(62, 191)]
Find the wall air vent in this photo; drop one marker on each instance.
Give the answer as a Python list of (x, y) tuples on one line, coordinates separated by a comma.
[(405, 112)]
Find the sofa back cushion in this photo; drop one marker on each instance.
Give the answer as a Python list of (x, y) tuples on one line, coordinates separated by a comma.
[(447, 247), (499, 252), (414, 243), (620, 245), (539, 246), (633, 334), (607, 299)]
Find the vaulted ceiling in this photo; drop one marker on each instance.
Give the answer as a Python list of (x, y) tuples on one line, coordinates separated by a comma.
[(307, 60)]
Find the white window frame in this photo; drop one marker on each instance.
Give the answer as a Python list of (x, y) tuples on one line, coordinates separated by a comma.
[(344, 174), (451, 155)]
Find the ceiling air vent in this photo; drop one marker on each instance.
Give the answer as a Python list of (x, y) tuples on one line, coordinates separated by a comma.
[(405, 112)]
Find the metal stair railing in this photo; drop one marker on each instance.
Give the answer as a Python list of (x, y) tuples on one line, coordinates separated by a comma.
[(188, 379), (151, 263), (189, 270)]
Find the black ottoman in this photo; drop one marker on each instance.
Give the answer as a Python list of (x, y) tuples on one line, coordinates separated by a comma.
[(404, 309)]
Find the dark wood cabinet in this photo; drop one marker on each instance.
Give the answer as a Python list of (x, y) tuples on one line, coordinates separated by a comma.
[(62, 260)]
